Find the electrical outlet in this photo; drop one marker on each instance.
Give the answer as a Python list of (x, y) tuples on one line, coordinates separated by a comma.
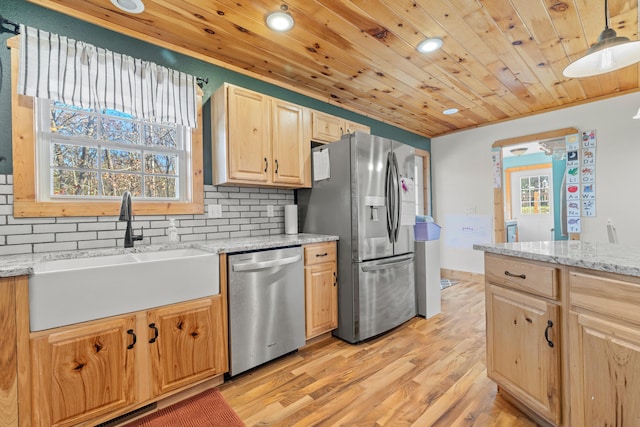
[(270, 211), (214, 211)]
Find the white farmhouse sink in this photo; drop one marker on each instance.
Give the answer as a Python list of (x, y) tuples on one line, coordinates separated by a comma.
[(63, 292)]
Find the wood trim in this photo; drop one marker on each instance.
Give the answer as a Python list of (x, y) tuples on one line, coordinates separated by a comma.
[(25, 203), (499, 231), (225, 303), (507, 181), (551, 134), (23, 349), (446, 273), (8, 354), (426, 176)]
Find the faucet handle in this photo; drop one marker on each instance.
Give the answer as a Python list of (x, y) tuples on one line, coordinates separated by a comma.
[(139, 236)]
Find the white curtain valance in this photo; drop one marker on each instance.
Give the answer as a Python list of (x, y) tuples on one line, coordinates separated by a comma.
[(80, 74)]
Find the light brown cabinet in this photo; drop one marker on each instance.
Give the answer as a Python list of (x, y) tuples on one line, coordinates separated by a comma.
[(83, 371), (327, 128), (321, 288), (259, 140), (604, 323), (186, 344), (523, 331)]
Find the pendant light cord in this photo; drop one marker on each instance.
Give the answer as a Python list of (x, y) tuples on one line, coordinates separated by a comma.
[(606, 14)]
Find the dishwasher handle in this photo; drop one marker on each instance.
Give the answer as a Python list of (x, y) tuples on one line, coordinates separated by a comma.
[(261, 265), (402, 261)]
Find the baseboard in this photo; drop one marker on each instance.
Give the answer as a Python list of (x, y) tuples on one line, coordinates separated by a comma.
[(445, 273)]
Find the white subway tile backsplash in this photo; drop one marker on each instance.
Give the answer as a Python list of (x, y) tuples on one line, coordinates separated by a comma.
[(52, 247), (244, 213)]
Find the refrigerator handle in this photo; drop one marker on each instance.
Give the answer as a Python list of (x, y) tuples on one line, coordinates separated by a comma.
[(398, 204), (388, 194)]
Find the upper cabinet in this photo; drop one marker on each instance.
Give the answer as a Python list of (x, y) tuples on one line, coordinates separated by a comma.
[(328, 128), (259, 140)]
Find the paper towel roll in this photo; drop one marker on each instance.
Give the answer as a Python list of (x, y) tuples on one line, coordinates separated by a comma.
[(291, 219)]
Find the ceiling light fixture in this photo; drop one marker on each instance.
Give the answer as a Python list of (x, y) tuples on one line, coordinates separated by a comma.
[(610, 53), (281, 20), (518, 151), (429, 45), (129, 6), (450, 111)]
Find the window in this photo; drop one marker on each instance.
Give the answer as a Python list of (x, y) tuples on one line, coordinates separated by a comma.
[(89, 154), (69, 161), (534, 195)]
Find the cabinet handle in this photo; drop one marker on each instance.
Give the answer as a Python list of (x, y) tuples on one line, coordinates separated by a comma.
[(276, 165), (266, 164), (324, 254), (546, 333), (521, 276), (133, 334), (335, 279), (155, 329)]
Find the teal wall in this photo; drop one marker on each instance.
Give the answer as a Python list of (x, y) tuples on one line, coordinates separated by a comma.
[(22, 12), (557, 170)]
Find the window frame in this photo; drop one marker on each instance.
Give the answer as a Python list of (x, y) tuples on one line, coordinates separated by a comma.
[(24, 146)]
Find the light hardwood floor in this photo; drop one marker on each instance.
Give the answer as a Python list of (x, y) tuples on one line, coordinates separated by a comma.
[(427, 372)]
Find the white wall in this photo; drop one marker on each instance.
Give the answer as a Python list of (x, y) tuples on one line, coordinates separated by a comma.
[(462, 174)]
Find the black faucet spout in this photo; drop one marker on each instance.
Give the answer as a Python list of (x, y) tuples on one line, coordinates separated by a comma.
[(126, 215)]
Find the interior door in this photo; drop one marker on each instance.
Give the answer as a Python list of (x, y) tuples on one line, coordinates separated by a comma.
[(532, 204)]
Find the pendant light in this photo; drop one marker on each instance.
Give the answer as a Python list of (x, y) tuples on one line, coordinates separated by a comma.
[(610, 53)]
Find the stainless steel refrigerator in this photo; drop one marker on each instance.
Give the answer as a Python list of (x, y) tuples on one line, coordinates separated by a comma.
[(367, 201)]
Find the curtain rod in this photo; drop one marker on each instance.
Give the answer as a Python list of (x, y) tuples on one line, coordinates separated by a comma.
[(201, 81), (4, 29)]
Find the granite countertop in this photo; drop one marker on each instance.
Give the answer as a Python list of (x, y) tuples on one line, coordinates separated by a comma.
[(614, 258), (20, 265)]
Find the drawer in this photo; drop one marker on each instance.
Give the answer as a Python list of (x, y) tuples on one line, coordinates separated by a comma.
[(608, 295), (318, 253), (528, 276)]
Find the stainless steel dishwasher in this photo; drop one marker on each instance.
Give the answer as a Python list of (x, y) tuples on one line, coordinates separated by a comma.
[(266, 306)]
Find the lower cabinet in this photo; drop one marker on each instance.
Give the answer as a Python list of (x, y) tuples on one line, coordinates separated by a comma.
[(321, 288), (604, 354), (523, 349), (523, 333), (84, 371)]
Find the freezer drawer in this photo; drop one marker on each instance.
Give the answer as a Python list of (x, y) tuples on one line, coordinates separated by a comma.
[(387, 296)]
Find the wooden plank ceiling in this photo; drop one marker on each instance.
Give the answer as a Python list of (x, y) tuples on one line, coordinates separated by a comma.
[(501, 59)]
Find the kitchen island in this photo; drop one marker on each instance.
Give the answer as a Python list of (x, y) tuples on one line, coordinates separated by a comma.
[(563, 330)]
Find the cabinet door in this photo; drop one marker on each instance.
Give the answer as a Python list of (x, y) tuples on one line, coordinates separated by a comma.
[(326, 128), (186, 343), (321, 299), (288, 144), (523, 354), (352, 127), (80, 373), (248, 136), (605, 376)]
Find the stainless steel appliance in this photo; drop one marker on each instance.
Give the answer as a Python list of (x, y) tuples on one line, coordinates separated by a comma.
[(367, 202), (266, 306)]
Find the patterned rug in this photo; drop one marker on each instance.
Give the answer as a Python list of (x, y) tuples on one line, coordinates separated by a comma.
[(207, 409)]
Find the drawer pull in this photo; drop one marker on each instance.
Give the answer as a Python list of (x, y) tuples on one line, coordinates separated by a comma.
[(320, 255), (546, 333), (520, 276)]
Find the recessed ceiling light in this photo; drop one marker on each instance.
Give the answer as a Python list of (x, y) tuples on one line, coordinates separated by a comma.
[(450, 111), (281, 20), (129, 6), (429, 45)]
